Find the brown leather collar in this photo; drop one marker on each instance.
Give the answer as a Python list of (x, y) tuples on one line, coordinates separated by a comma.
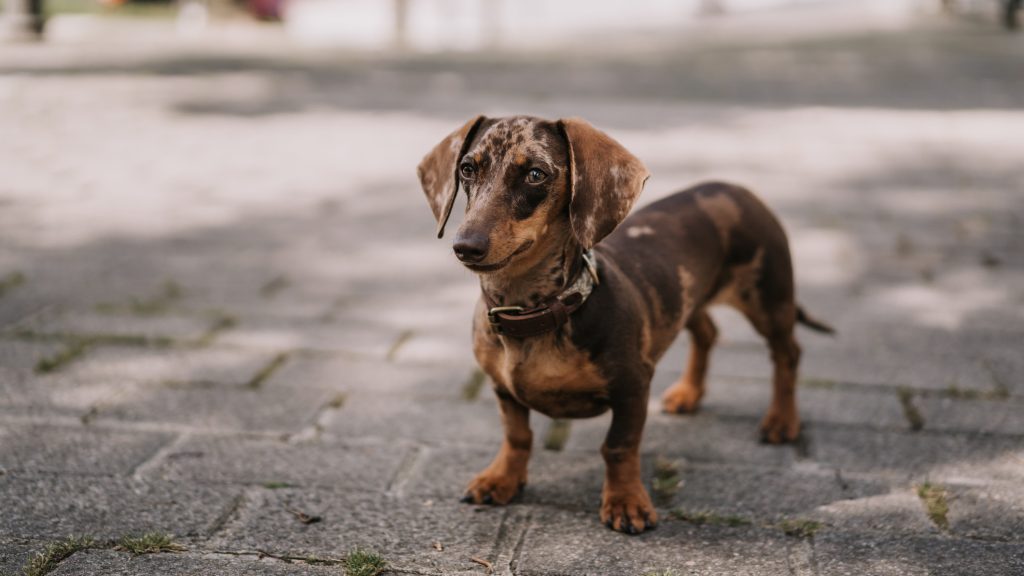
[(519, 322)]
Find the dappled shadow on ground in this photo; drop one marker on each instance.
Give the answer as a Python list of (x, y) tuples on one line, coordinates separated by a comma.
[(932, 68)]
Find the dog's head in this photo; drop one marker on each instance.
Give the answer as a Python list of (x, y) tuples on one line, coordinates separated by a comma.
[(526, 178)]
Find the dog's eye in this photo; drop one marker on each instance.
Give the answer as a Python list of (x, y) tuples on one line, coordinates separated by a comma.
[(467, 170), (536, 176)]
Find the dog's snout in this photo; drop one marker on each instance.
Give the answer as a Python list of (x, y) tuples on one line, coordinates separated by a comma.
[(471, 248)]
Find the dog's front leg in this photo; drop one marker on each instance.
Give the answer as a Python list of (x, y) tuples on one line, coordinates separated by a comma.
[(625, 505), (506, 475)]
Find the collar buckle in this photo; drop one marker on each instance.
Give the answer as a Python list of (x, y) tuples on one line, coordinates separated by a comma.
[(492, 314)]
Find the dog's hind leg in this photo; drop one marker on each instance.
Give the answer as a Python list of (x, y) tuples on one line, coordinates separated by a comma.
[(782, 421), (684, 396), (773, 314)]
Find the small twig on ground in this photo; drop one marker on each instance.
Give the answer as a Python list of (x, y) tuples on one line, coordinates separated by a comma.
[(303, 517), (484, 563)]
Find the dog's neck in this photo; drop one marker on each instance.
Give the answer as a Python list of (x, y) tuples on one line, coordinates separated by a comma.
[(538, 280)]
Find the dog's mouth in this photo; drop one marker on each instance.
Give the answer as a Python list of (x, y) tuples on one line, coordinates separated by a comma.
[(499, 265)]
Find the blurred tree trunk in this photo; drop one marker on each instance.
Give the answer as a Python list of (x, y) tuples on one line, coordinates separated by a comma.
[(401, 24), (21, 20), (1010, 10), (711, 7)]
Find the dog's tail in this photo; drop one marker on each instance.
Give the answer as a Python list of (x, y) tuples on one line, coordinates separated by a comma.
[(812, 322)]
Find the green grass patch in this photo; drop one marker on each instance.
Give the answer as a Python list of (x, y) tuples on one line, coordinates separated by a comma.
[(935, 503), (475, 382), (71, 351), (404, 337), (276, 485), (558, 435), (268, 370), (170, 292), (149, 543), (338, 402), (10, 281), (46, 560), (710, 518), (799, 528), (914, 418), (222, 321), (276, 284), (1000, 392), (364, 563), (666, 480)]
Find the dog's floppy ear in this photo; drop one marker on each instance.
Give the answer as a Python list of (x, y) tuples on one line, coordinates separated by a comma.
[(605, 180), (438, 171)]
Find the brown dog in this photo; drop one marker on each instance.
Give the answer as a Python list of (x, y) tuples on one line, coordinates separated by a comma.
[(575, 313)]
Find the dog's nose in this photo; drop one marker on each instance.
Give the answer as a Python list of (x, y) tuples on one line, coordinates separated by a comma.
[(471, 248)]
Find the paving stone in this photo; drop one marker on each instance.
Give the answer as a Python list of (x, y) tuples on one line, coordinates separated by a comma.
[(917, 455), (402, 530), (701, 437), (981, 416), (75, 450), (892, 510), (991, 512), (110, 563), (60, 506), (163, 325), (13, 556), (765, 494), (367, 339), (853, 554), (23, 392), (20, 357), (565, 542), (378, 378), (887, 366), (214, 407), (352, 466), (177, 366), (423, 419), (574, 481)]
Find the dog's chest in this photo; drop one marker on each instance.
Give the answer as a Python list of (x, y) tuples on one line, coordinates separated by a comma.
[(558, 380)]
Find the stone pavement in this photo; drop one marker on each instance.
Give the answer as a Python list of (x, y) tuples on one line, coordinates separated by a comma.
[(224, 315)]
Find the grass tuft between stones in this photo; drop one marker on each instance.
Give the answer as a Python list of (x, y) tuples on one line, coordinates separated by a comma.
[(364, 563), (46, 560), (799, 528), (475, 382), (268, 370), (150, 543), (935, 502), (710, 518), (71, 351), (666, 480), (910, 412), (170, 292), (10, 282), (558, 435)]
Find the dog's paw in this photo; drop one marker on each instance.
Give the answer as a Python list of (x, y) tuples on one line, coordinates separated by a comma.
[(488, 488), (681, 399), (778, 428), (629, 511)]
